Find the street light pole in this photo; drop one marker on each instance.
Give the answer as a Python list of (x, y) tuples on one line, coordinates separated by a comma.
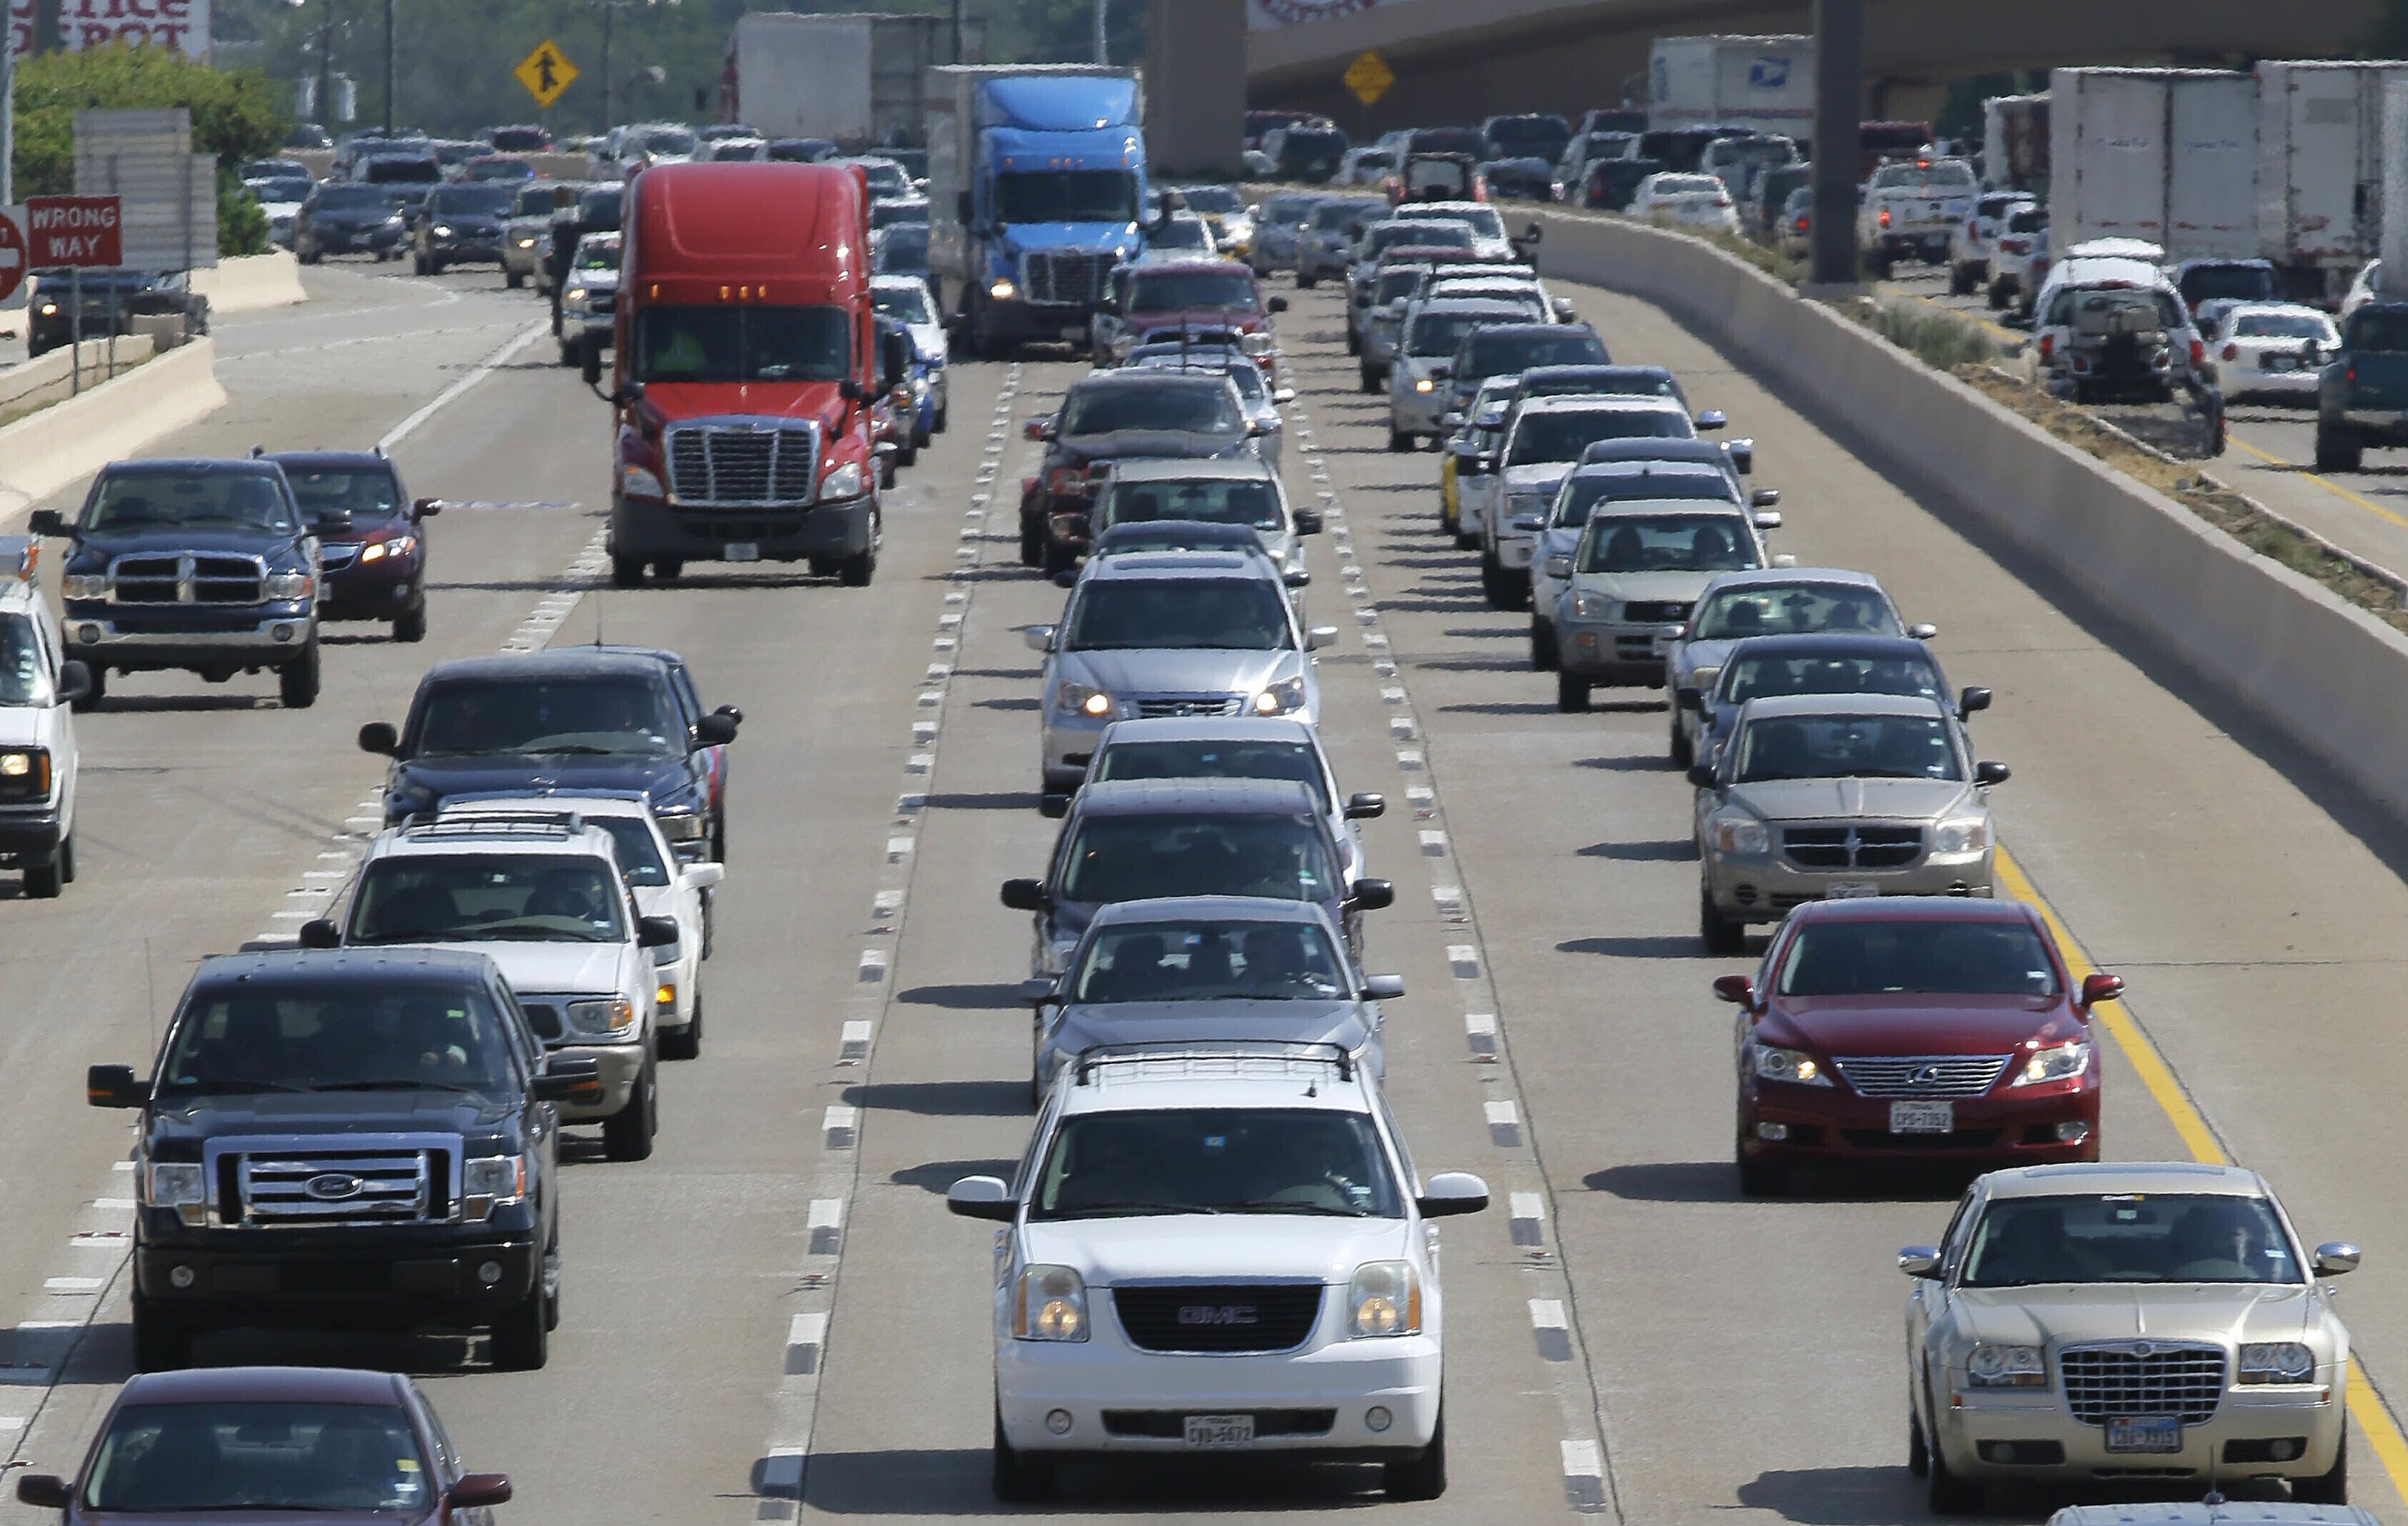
[(610, 25), (326, 66), (957, 33), (1103, 26), (388, 68)]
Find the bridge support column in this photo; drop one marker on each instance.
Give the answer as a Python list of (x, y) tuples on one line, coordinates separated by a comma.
[(1839, 96), (1196, 87)]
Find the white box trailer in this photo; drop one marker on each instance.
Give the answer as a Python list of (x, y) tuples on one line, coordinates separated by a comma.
[(2167, 155), (856, 80), (2392, 279), (1763, 83), (2321, 179), (2014, 143)]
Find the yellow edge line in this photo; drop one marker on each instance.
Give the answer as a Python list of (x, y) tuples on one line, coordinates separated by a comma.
[(2324, 482), (2374, 1418)]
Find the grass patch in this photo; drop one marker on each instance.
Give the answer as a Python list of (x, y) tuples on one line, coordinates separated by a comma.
[(1938, 340)]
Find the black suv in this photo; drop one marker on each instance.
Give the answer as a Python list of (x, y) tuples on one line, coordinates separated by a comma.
[(347, 1137), (111, 301), (463, 224), (341, 218), (371, 536), (208, 567)]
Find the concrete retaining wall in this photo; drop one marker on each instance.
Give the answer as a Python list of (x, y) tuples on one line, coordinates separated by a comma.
[(252, 282), (49, 377), (51, 449), (2330, 676)]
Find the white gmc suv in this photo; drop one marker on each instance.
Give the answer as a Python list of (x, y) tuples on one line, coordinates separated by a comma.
[(1217, 1247)]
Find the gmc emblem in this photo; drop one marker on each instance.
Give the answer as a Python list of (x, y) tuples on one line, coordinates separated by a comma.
[(1216, 1314)]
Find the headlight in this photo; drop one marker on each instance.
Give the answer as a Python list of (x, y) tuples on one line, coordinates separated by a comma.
[(1596, 606), (441, 231), (1773, 1065), (16, 765), (174, 1185), (286, 585), (1078, 698), (1281, 698), (611, 1018), (1704, 678), (26, 774), (1969, 835), (499, 1178), (1051, 1304), (2006, 1367), (1519, 504), (575, 293), (843, 482), (392, 219), (1002, 289), (527, 243), (2262, 1362), (2061, 1062), (50, 310), (1423, 384), (1384, 1299), (636, 482), (680, 825), (399, 546), (84, 585), (1738, 833)]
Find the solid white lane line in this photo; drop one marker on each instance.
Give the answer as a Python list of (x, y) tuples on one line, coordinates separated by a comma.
[(478, 372)]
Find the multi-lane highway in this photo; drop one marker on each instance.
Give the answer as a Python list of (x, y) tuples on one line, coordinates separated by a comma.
[(774, 1316)]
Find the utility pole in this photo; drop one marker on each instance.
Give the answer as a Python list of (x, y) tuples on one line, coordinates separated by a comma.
[(1839, 97), (7, 111), (388, 68), (958, 29), (610, 25), (326, 67)]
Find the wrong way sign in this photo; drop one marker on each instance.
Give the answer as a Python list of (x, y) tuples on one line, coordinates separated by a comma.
[(72, 230), (13, 264)]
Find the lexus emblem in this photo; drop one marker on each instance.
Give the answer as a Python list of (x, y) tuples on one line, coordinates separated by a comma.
[(333, 1187), (1926, 1076), (1216, 1314)]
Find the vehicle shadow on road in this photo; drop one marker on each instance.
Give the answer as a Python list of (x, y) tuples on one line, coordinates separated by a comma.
[(171, 704), (1471, 665), (954, 1482), (1834, 1496), (1637, 946), (997, 799), (994, 998), (943, 1099), (1005, 704), (938, 1176), (1716, 1181), (1644, 762), (1665, 850)]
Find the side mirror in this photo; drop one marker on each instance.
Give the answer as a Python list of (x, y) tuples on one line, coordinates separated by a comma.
[(75, 681), (1279, 304), (1283, 396), (320, 933), (1743, 456), (981, 1197), (1452, 1193), (1383, 987), (571, 1079), (1037, 429), (1987, 774), (590, 365), (114, 1086), (1532, 522), (1035, 990), (1564, 310), (1973, 698), (476, 1491), (1920, 1261), (1318, 637), (1372, 895), (2334, 1258), (1365, 807), (1038, 637), (426, 509), (1922, 630), (1764, 498), (379, 737), (703, 876), (1024, 894), (46, 522), (1053, 806), (732, 712), (1559, 566), (655, 932), (42, 1490), (1296, 577), (1702, 775), (1738, 989), (1768, 519), (1308, 522), (714, 731), (1533, 233), (1691, 698), (2098, 986), (1713, 418)]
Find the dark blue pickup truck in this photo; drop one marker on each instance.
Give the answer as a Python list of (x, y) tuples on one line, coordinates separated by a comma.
[(2362, 392)]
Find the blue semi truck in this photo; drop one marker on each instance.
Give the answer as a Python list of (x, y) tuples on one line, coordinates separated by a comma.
[(1036, 193)]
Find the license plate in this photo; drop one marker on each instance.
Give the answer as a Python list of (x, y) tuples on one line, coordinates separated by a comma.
[(2280, 363), (742, 550), (1850, 890), (1208, 1433), (1922, 1117), (2144, 1433)]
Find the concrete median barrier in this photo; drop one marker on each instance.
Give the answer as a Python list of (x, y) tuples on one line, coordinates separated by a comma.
[(2329, 676), (41, 453), (250, 281)]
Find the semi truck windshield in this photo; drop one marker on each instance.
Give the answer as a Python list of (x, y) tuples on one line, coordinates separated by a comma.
[(1067, 195), (742, 344)]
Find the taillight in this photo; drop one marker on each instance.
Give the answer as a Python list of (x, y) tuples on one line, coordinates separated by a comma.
[(1884, 217), (2197, 353), (2351, 375), (1801, 224), (2231, 352), (2047, 347), (1067, 481), (1722, 201), (2016, 246)]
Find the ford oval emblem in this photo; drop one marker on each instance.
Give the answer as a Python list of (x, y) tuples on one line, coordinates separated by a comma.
[(333, 1187)]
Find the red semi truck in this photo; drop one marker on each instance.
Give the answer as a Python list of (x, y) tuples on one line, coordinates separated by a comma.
[(745, 367)]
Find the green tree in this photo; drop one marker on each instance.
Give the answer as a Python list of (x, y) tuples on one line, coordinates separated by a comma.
[(236, 114)]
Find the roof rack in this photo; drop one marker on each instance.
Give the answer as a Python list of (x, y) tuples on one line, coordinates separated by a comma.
[(535, 791), (558, 826), (1097, 1055)]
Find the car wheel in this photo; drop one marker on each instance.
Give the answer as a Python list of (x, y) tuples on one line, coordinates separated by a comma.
[(163, 1337), (1721, 935), (522, 1338), (627, 571), (938, 424), (513, 279), (1304, 283), (1371, 378), (42, 880), (1032, 542), (418, 264), (1684, 752), (1543, 645), (435, 264), (1497, 582), (685, 1043), (411, 623), (1918, 1456), (2339, 449), (1759, 1178), (296, 682), (1059, 558), (856, 571), (1420, 1478), (627, 1133), (1018, 1479), (668, 569), (2330, 1487), (67, 859), (1947, 1494), (1353, 341), (1997, 296), (1572, 694), (1399, 441)]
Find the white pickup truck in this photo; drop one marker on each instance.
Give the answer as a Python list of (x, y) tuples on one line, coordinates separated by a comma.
[(1911, 207)]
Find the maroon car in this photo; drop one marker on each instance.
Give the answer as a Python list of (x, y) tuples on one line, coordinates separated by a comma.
[(1219, 296), (1903, 1027), (237, 1446), (371, 536)]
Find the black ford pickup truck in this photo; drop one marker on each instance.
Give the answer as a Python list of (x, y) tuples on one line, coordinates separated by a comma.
[(207, 566), (347, 1137)]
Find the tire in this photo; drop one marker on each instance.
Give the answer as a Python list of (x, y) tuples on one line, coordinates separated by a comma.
[(939, 426), (1498, 581), (513, 279), (98, 691), (1465, 540), (1945, 1493), (627, 571), (1421, 1478), (1684, 752), (1960, 281), (435, 264), (1058, 559), (523, 1336), (685, 1043), (163, 1338), (1018, 1479), (412, 624), (1722, 936), (569, 355), (2339, 449), (2330, 1487), (1305, 282), (1032, 542), (1997, 297), (1918, 1455), (1572, 694), (1759, 1178), (1353, 340), (856, 571), (1371, 378), (1398, 441), (668, 569), (1543, 655), (297, 683), (67, 859), (627, 1133), (418, 266)]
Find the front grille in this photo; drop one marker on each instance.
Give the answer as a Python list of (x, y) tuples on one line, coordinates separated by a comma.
[(1655, 611), (1184, 705), (742, 461), (1171, 1424), (1066, 277), (1219, 1317), (1852, 847), (315, 1180), (2142, 1377), (185, 577), (602, 304), (1922, 1075)]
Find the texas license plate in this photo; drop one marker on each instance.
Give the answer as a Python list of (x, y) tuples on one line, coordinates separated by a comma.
[(1208, 1433), (2281, 363), (1851, 889), (1922, 1117), (2144, 1433), (743, 551)]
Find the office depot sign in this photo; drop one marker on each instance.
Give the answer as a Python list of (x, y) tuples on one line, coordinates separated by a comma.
[(67, 232), (179, 25)]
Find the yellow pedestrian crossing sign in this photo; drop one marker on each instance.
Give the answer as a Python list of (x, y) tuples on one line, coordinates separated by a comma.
[(545, 73), (1368, 76)]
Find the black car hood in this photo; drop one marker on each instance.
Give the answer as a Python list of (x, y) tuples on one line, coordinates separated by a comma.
[(423, 782), (1131, 442), (328, 1112)]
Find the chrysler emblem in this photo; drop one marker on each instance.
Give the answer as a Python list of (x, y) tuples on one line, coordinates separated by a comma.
[(2144, 1348), (333, 1187)]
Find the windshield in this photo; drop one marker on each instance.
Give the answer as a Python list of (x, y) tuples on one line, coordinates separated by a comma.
[(1631, 381), (1846, 746), (1442, 334), (492, 201), (739, 150), (1792, 608), (1216, 1160), (624, 716), (404, 171), (2280, 326), (903, 249), (1626, 543), (1145, 858), (1171, 290), (500, 169), (904, 304), (2130, 1237), (1389, 236), (23, 677), (640, 854), (1179, 233), (669, 141), (137, 500), (1483, 221), (1210, 962), (742, 344), (1216, 199), (1853, 958), (1331, 216), (1542, 437), (1218, 500), (1217, 758), (259, 1458), (1184, 614), (1582, 495), (1685, 185), (598, 254), (369, 493), (1289, 209), (1764, 676), (282, 191), (1756, 152), (1177, 407), (1501, 352), (2244, 283), (294, 1036), (1066, 195), (352, 198), (1396, 281), (488, 895), (1950, 179)]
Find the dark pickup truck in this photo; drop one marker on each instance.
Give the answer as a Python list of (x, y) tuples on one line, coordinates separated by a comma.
[(347, 1137), (2362, 392), (207, 566)]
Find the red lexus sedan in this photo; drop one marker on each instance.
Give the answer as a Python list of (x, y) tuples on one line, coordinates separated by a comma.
[(297, 1445), (1918, 1027)]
